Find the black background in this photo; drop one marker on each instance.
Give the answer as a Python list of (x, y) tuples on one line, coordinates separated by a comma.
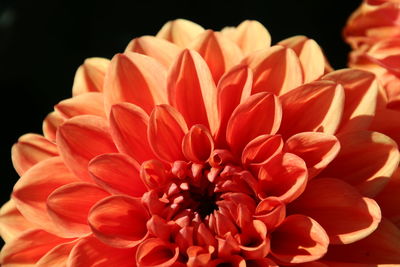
[(43, 42)]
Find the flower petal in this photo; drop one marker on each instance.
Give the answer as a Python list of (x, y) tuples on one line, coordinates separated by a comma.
[(159, 49), (340, 209), (137, 79), (387, 121), (381, 247), (180, 32), (361, 89), (82, 138), (28, 248), (87, 103), (366, 160), (311, 57), (31, 149), (118, 174), (220, 53), (69, 206), (312, 107), (316, 149), (91, 252), (271, 211), (12, 223), (32, 189), (299, 239), (166, 130), (276, 70), (57, 256), (90, 76), (251, 36), (259, 114), (155, 252), (198, 144), (191, 90), (50, 125), (119, 221), (128, 127)]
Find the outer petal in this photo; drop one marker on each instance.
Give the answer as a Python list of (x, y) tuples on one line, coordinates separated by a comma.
[(313, 107), (28, 248), (159, 49), (50, 125), (32, 189), (180, 32), (137, 79), (316, 149), (233, 88), (90, 76), (220, 53), (118, 174), (91, 252), (311, 57), (387, 121), (191, 90), (119, 221), (155, 252), (276, 70), (69, 206), (299, 239), (361, 89), (82, 138), (128, 126), (87, 103), (344, 214), (165, 132), (12, 223), (251, 36), (366, 160), (381, 247), (57, 256), (259, 114), (31, 149)]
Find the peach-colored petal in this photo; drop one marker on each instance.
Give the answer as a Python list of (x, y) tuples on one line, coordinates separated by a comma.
[(361, 89), (119, 221), (271, 211), (299, 239), (284, 177), (316, 149), (50, 125), (57, 256), (366, 160), (118, 174), (381, 247), (192, 91), (341, 210), (389, 198), (311, 57), (198, 144), (28, 248), (251, 36), (31, 149), (198, 256), (12, 223), (155, 252), (128, 127), (90, 76), (180, 32), (163, 51), (91, 103), (276, 70), (220, 53), (166, 130), (82, 138), (32, 189), (313, 107), (254, 243), (136, 79), (91, 252), (69, 207), (233, 88), (259, 114)]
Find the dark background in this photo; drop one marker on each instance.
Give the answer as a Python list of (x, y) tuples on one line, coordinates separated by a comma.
[(43, 42)]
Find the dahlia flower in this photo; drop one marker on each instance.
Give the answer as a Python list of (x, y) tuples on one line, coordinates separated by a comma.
[(202, 148)]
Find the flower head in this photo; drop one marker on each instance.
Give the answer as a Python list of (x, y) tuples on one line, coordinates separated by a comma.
[(203, 148)]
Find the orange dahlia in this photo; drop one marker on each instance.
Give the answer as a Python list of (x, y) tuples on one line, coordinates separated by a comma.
[(202, 148)]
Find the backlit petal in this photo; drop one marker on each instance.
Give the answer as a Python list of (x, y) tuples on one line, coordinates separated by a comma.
[(57, 256), (180, 32), (50, 125), (251, 36), (87, 103)]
